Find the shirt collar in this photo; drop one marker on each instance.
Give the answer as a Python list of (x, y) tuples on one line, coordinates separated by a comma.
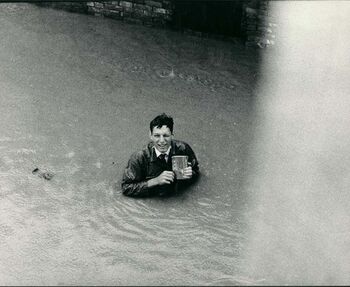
[(158, 153)]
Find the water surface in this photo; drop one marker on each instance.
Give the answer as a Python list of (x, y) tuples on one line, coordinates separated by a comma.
[(77, 95)]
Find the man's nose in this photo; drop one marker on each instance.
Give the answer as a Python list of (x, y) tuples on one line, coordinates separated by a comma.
[(161, 139)]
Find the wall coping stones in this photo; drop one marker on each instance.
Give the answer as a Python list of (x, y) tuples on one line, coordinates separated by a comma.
[(153, 3), (125, 4), (160, 10)]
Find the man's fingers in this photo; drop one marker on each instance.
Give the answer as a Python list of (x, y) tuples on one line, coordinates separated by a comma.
[(167, 181), (188, 173), (168, 173), (171, 178), (188, 170), (168, 178)]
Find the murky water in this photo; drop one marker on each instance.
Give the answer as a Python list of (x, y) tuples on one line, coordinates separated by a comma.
[(77, 93)]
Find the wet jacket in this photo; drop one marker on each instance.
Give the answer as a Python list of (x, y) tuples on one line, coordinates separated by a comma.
[(144, 165)]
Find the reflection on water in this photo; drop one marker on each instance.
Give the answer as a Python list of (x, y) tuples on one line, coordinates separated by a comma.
[(73, 104)]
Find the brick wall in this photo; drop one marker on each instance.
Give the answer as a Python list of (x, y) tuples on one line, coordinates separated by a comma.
[(147, 12)]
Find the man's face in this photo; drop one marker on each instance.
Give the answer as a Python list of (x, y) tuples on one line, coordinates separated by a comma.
[(161, 137)]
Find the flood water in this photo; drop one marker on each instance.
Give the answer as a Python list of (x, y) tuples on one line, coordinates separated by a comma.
[(77, 93)]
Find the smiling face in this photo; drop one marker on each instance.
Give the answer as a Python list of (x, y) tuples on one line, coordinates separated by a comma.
[(161, 137)]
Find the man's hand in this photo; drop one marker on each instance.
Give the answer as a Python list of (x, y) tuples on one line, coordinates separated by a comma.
[(166, 177), (187, 172)]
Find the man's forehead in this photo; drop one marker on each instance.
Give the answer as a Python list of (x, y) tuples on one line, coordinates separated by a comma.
[(163, 129)]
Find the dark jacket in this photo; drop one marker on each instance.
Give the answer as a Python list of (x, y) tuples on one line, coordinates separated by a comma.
[(144, 165)]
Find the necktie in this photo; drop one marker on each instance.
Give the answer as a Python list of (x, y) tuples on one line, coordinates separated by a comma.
[(162, 158)]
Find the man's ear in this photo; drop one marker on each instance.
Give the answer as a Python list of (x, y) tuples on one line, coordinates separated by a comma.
[(150, 134)]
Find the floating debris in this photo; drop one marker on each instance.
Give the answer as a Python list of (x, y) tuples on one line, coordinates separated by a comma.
[(48, 175), (44, 174)]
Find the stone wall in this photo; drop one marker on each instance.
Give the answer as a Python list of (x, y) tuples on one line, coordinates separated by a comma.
[(259, 24), (147, 12)]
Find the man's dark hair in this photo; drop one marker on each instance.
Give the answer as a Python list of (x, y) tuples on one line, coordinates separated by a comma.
[(162, 120)]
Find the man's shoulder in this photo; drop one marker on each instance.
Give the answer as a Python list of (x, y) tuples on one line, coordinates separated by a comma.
[(143, 153), (180, 145)]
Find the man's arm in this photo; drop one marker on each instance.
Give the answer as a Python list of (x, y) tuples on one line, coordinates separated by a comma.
[(192, 159), (134, 182)]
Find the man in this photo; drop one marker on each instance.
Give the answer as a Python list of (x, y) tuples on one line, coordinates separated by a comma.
[(149, 171)]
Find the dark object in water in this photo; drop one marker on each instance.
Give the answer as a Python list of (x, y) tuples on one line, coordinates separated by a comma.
[(44, 174), (47, 175)]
